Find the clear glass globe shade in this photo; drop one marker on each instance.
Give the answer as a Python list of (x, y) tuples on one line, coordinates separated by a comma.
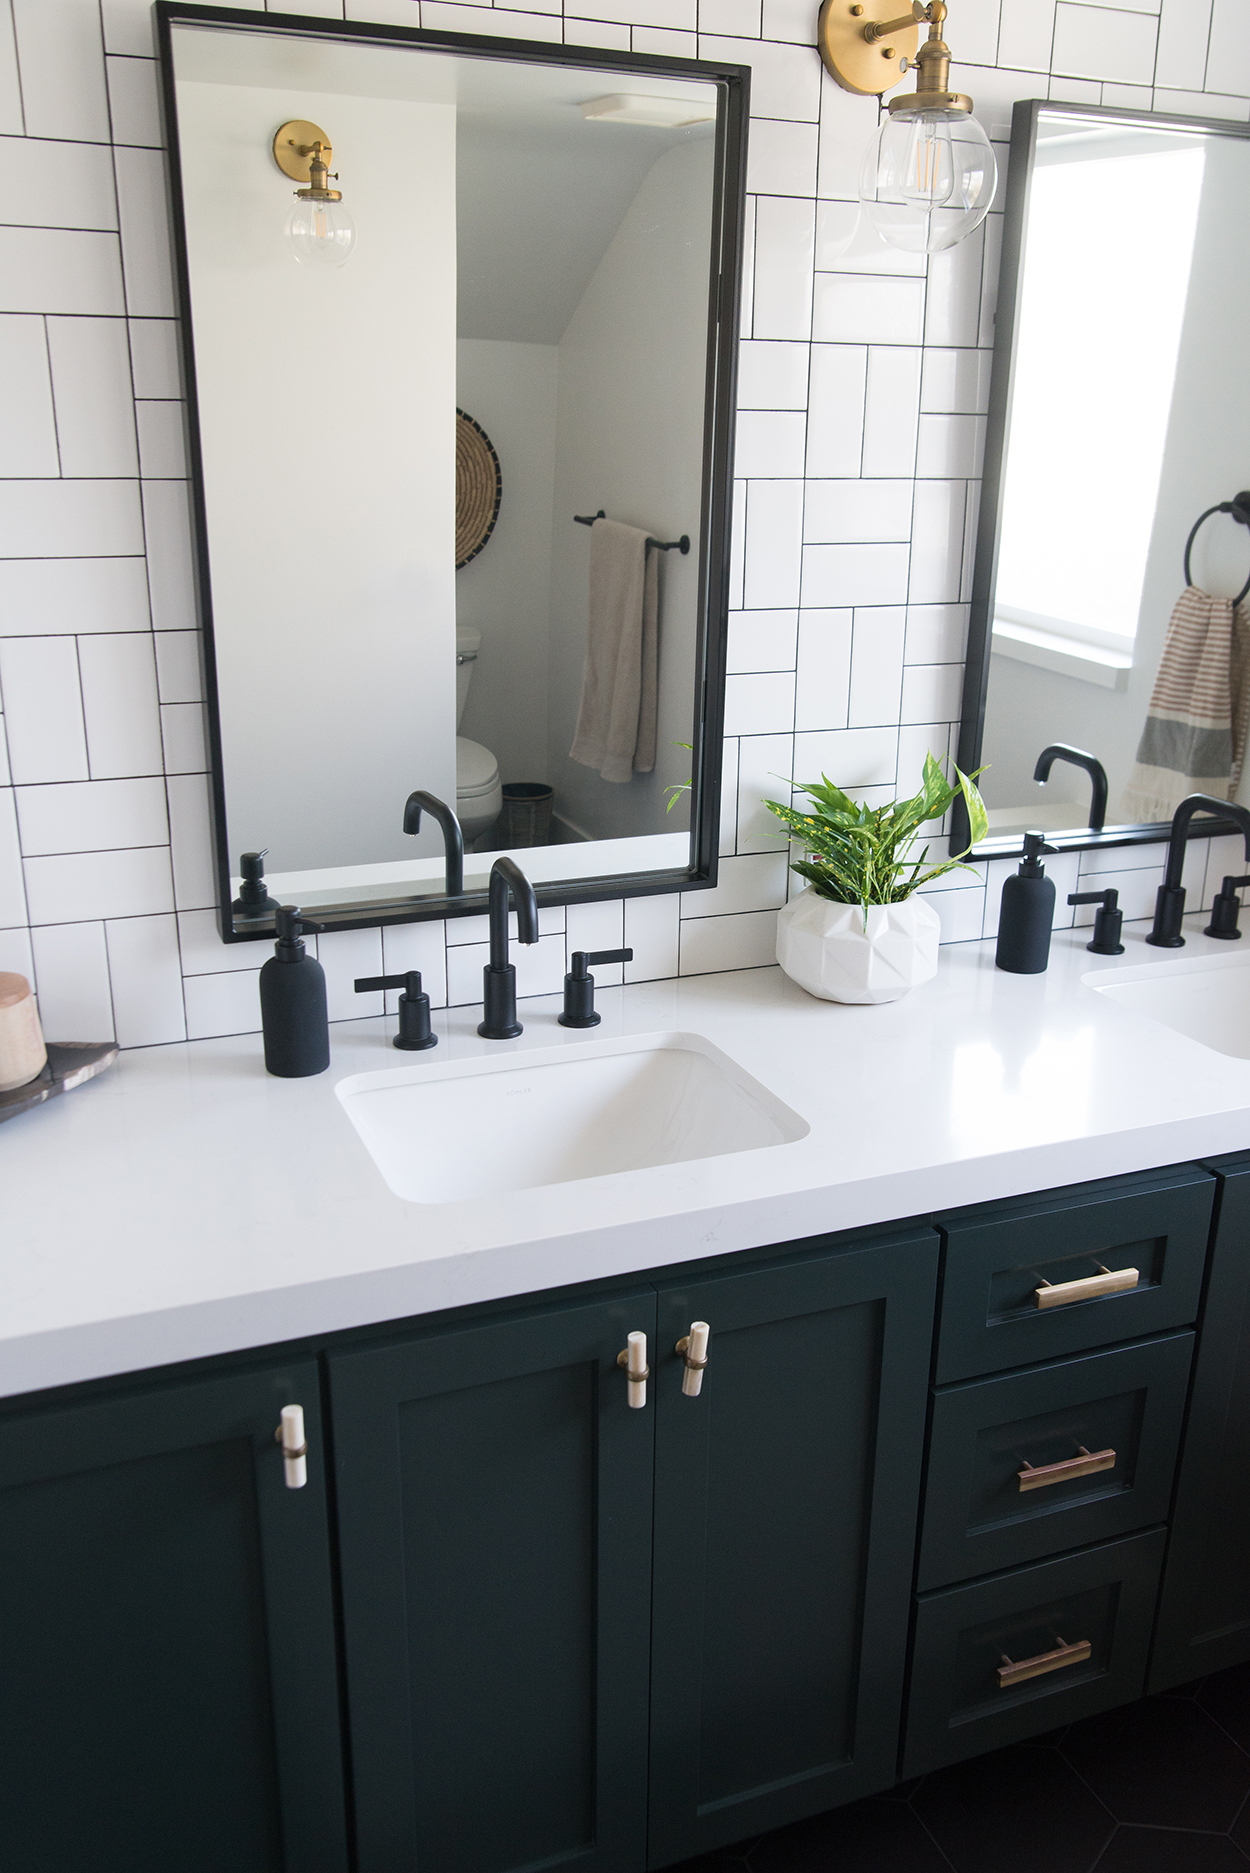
[(321, 234), (928, 179)]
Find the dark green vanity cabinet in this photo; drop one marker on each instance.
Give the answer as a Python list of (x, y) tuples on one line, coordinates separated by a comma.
[(1001, 1257), (494, 1491), (168, 1674), (921, 1507), (508, 1670), (1204, 1611), (785, 1516), (1049, 1484)]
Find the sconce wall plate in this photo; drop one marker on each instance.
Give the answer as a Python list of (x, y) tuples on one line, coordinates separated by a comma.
[(865, 69), (290, 139)]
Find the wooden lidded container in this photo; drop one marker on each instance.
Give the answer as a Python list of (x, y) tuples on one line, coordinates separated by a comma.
[(22, 1052)]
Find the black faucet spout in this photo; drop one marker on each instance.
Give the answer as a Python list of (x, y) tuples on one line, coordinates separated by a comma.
[(1170, 898), (1077, 757), (507, 880), (453, 838)]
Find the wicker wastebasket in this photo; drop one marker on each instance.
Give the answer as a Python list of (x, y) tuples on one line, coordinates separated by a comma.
[(526, 816)]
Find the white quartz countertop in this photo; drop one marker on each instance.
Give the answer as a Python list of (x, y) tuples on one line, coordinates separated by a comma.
[(186, 1203)]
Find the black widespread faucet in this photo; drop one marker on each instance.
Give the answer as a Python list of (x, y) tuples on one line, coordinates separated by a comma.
[(499, 976), (1061, 751), (1170, 897), (453, 838)]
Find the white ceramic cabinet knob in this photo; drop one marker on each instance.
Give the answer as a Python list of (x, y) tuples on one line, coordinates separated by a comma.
[(22, 1052), (693, 1350), (634, 1360), (290, 1434)]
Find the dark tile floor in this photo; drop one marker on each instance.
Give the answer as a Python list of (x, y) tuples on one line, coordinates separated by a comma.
[(1158, 1787)]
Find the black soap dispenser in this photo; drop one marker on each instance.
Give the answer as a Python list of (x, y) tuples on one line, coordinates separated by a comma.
[(293, 1003), (253, 899), (1027, 913)]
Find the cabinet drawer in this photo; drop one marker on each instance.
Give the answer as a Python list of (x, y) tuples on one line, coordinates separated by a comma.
[(1006, 1480), (1021, 1653), (998, 1304)]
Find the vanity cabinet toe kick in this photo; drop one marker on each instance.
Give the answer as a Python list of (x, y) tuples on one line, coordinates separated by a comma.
[(621, 1575)]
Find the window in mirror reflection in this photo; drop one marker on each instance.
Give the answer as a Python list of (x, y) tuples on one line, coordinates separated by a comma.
[(1106, 279)]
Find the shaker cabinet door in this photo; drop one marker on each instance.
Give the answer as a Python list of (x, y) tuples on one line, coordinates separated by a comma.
[(786, 1499), (494, 1498), (1204, 1612), (168, 1684)]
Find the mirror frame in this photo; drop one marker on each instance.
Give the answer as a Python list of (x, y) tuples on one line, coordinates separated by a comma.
[(1024, 121), (725, 282)]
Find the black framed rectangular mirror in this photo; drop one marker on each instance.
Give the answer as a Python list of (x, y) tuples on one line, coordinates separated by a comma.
[(1118, 417), (445, 298)]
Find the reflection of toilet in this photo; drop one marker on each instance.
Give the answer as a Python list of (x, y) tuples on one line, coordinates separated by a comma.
[(479, 794)]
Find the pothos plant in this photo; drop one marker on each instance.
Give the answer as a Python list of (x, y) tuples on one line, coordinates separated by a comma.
[(857, 854)]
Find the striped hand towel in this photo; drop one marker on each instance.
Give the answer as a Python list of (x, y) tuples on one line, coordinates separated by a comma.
[(1195, 733)]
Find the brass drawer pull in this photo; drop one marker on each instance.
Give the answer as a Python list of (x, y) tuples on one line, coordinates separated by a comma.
[(1010, 1672), (1088, 1288), (1085, 1463)]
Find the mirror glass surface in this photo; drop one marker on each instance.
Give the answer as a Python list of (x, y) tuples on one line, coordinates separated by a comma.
[(537, 244), (1124, 413)]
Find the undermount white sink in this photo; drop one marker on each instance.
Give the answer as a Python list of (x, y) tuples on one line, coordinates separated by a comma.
[(556, 1115), (1205, 997)]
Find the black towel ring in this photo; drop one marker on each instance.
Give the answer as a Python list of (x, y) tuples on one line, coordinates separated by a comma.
[(1239, 508)]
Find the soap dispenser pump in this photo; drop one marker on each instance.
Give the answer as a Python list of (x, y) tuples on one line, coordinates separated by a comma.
[(253, 899), (1027, 913), (293, 1013)]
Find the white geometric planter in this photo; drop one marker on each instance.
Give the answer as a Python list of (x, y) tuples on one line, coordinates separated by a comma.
[(827, 949)]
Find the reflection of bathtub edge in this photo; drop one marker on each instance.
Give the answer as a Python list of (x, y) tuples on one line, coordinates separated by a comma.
[(580, 858), (1037, 815)]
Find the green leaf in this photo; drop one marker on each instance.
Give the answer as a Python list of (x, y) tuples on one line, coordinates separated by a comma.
[(978, 818), (856, 854)]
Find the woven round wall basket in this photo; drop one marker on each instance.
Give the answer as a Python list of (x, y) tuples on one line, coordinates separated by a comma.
[(478, 488)]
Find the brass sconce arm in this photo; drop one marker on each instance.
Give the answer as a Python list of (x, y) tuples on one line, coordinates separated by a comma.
[(875, 30)]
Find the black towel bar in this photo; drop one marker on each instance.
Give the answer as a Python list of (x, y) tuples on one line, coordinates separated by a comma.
[(1239, 508), (662, 546)]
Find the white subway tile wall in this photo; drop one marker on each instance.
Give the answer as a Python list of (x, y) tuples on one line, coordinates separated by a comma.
[(863, 388)]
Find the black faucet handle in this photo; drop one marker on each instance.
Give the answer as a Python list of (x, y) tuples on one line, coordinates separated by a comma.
[(579, 987), (414, 1008), (583, 960), (1224, 911), (1109, 922)]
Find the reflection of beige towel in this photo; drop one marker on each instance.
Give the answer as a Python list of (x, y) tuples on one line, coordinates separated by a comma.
[(1195, 733), (616, 721)]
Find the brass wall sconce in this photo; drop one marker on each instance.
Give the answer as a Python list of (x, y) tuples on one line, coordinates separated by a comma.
[(929, 173), (319, 229)]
